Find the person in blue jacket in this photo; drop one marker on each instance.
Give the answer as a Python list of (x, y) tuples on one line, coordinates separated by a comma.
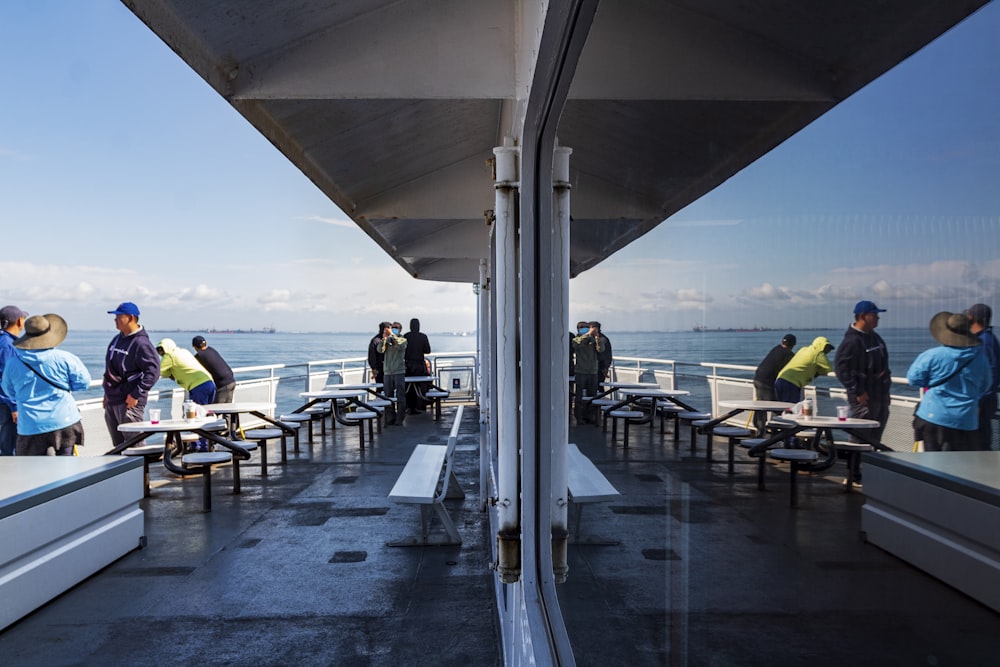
[(42, 380), (954, 374), (11, 325), (980, 316)]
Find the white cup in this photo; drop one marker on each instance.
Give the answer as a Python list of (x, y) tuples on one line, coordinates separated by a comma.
[(154, 415), (842, 413)]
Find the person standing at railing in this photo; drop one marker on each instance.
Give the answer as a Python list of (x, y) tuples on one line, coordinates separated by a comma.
[(11, 325), (222, 374), (768, 369), (605, 357), (807, 364), (417, 346), (376, 359), (42, 380), (131, 368), (955, 375), (587, 346), (393, 346), (862, 366), (980, 316), (181, 366)]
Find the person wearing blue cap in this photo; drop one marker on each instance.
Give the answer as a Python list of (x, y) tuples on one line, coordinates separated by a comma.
[(131, 368), (11, 324), (862, 366)]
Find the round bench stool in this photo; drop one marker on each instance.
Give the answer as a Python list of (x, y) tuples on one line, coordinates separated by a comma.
[(436, 396), (302, 419), (749, 444), (853, 451), (690, 418), (734, 435), (362, 417), (202, 462), (668, 410), (626, 415), (149, 454), (261, 436), (794, 457), (600, 405)]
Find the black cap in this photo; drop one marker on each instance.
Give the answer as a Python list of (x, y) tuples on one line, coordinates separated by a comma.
[(198, 341), (980, 313), (789, 340)]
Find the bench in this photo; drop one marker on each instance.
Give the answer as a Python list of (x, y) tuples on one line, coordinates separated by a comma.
[(426, 480), (586, 484)]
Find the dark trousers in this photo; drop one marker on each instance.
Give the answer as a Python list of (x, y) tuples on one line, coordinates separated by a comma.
[(984, 434), (8, 431), (943, 439), (877, 409)]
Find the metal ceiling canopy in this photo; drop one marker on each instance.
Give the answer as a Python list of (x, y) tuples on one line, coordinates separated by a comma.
[(393, 107)]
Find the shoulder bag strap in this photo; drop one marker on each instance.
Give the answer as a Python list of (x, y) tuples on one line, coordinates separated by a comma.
[(35, 371)]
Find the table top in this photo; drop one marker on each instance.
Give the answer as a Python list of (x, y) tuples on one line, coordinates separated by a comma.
[(333, 393), (770, 406), (655, 392), (364, 385), (170, 425), (630, 385), (832, 422), (241, 406), (420, 378)]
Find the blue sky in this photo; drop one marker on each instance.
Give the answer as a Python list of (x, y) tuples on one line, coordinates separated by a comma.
[(123, 176)]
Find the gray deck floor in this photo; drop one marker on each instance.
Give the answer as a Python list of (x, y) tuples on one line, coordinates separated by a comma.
[(708, 571)]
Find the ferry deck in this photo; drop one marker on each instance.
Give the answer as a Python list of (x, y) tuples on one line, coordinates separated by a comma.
[(707, 571)]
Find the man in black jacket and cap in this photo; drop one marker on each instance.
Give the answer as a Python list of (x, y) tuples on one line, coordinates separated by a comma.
[(417, 346)]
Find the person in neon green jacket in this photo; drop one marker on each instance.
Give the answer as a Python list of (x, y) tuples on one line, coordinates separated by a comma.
[(809, 362)]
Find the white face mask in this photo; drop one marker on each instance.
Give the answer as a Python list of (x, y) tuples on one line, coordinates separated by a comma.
[(395, 331)]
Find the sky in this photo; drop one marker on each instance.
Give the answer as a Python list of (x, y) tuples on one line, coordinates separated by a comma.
[(123, 176)]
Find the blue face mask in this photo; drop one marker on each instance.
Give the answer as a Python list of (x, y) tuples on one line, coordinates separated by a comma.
[(583, 330), (395, 331)]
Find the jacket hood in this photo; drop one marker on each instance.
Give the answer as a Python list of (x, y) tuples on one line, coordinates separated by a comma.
[(820, 344), (168, 345), (414, 324)]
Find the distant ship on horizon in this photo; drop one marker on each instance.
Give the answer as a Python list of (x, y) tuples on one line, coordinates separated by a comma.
[(265, 330), (702, 328)]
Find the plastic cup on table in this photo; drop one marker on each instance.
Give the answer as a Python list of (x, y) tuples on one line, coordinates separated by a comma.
[(842, 413), (154, 416)]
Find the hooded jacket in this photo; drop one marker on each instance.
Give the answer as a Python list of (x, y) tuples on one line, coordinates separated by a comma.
[(808, 363), (862, 365), (131, 366), (45, 405), (417, 346), (954, 404), (180, 365)]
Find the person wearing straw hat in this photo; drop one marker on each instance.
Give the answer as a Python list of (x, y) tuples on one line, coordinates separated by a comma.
[(41, 379), (954, 375)]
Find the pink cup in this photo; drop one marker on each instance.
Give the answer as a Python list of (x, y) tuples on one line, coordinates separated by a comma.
[(154, 416), (842, 413)]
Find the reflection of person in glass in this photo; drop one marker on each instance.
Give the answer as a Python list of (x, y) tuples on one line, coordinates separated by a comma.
[(955, 375), (862, 366), (586, 347), (393, 347), (42, 380)]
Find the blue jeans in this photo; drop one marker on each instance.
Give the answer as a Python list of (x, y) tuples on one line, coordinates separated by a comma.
[(8, 432)]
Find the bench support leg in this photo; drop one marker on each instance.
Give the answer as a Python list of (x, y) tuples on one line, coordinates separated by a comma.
[(575, 514), (426, 538)]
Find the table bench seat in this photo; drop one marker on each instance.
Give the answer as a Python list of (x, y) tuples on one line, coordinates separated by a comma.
[(586, 484)]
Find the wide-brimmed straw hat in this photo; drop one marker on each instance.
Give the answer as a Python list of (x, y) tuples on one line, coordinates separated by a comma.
[(952, 329), (42, 332)]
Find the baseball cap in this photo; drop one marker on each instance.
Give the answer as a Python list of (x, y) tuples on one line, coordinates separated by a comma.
[(789, 339), (198, 341), (125, 308), (9, 315), (979, 313), (863, 307)]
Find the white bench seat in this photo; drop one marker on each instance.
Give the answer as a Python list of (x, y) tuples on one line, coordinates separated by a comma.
[(586, 484), (427, 480)]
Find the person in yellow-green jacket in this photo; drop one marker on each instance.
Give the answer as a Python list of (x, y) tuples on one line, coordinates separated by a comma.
[(808, 363)]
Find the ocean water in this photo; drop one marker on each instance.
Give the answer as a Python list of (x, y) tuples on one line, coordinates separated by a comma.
[(729, 347)]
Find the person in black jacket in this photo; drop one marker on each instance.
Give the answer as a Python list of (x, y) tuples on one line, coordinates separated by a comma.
[(222, 374), (131, 368), (768, 369), (376, 359), (417, 346), (862, 366)]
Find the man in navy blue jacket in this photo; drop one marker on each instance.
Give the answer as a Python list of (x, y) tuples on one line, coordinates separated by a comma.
[(131, 368), (980, 316)]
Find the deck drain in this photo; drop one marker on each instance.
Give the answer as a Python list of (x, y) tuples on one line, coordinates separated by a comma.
[(346, 479), (647, 477), (660, 554), (359, 511), (248, 544), (349, 557)]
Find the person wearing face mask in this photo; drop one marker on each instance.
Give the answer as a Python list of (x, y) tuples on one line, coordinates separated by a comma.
[(587, 347), (393, 348)]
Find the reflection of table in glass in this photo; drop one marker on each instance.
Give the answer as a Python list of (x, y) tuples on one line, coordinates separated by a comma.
[(789, 425), (634, 395), (207, 428), (432, 394)]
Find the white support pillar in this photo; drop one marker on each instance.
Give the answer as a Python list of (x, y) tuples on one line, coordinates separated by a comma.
[(484, 381), (559, 426), (506, 422)]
